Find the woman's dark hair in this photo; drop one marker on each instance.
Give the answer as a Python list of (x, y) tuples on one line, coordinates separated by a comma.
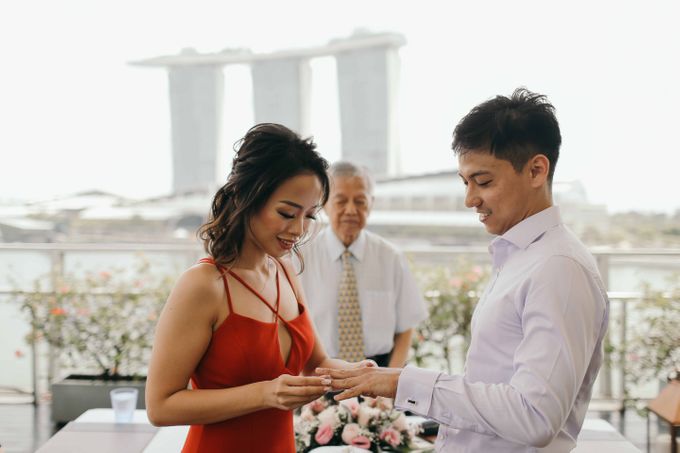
[(266, 156), (514, 129)]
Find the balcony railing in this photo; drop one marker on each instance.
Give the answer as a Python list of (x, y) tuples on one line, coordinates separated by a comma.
[(23, 263)]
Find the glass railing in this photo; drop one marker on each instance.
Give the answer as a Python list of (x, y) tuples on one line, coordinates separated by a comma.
[(29, 369)]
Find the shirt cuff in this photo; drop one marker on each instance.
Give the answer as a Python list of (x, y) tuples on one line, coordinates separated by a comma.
[(414, 390)]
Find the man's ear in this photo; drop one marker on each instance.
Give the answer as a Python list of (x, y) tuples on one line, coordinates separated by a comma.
[(539, 167)]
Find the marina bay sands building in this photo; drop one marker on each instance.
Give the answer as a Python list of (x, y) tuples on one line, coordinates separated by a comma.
[(367, 73)]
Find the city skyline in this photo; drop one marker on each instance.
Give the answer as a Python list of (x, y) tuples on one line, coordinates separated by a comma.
[(78, 117)]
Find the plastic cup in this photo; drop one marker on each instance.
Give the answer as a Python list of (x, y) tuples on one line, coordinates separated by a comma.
[(124, 403)]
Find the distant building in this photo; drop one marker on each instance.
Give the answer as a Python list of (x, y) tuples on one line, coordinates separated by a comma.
[(425, 209), (196, 119), (577, 211), (368, 68), (281, 91), (439, 191), (441, 199), (26, 230), (368, 77)]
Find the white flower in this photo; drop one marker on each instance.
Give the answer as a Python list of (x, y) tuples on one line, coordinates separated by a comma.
[(306, 414), (366, 414), (329, 416), (352, 405), (400, 424)]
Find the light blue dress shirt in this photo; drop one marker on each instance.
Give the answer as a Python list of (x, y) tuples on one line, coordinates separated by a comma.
[(535, 350), (388, 294)]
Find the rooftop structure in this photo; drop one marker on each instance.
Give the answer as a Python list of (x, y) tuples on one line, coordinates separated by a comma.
[(367, 66)]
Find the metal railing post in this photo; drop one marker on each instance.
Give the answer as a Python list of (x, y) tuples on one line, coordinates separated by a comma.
[(606, 369), (57, 276), (34, 366), (623, 348)]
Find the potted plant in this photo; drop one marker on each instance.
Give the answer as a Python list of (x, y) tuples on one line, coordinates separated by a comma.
[(653, 350), (451, 294), (100, 326), (652, 353)]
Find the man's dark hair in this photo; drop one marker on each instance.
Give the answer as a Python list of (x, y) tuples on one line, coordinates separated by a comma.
[(513, 129)]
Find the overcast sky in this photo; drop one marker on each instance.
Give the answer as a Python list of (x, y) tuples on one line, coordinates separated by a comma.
[(74, 115)]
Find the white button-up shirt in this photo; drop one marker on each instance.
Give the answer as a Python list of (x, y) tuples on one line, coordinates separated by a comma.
[(535, 350), (388, 294)]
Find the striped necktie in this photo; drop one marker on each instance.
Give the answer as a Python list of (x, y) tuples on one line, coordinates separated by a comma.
[(350, 328)]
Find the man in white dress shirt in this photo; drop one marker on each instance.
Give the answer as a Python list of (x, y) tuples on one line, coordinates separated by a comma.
[(390, 302), (537, 331)]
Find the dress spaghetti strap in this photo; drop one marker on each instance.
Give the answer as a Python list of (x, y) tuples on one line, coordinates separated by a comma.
[(220, 269), (285, 272), (224, 272), (242, 351), (274, 309)]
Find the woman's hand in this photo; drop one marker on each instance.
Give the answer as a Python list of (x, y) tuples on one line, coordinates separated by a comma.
[(288, 392), (366, 363)]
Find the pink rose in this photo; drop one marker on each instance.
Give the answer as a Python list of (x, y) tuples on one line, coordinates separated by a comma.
[(352, 405), (349, 432), (391, 436), (384, 404), (324, 434), (361, 442), (370, 402), (317, 405)]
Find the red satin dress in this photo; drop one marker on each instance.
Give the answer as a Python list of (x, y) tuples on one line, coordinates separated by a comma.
[(241, 351)]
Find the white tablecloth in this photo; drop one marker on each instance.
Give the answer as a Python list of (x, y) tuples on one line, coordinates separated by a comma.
[(597, 436), (168, 439)]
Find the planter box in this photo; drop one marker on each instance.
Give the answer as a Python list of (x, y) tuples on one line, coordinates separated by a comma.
[(77, 393)]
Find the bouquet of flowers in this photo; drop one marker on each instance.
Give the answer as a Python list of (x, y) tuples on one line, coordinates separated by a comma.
[(368, 423)]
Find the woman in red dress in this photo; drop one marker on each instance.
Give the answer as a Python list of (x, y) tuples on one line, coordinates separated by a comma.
[(235, 326)]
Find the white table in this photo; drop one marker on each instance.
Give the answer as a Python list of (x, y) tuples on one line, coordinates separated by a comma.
[(597, 436), (166, 440)]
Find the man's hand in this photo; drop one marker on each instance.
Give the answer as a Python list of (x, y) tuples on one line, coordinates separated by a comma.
[(367, 381)]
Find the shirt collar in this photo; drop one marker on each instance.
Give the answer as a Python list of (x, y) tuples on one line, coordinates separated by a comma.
[(525, 233), (336, 247)]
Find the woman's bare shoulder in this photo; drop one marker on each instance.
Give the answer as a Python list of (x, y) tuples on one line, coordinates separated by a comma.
[(202, 283)]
